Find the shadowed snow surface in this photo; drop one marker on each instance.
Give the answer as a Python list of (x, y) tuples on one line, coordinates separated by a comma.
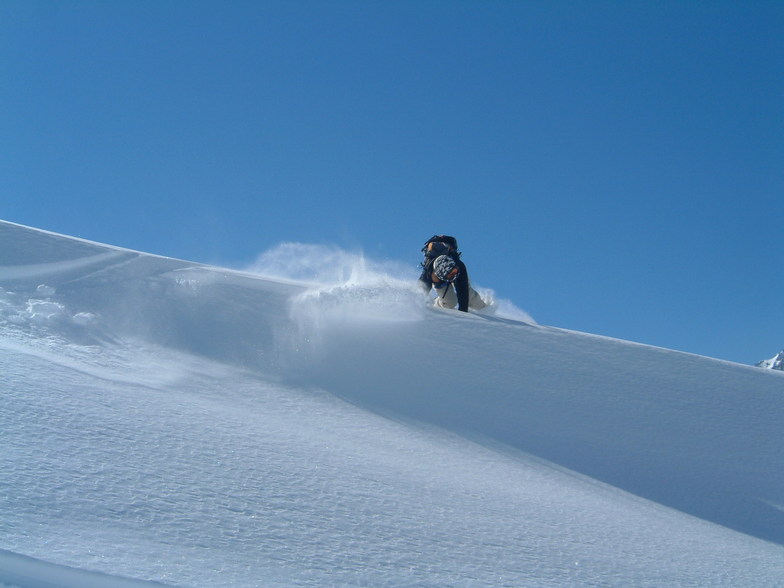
[(169, 422)]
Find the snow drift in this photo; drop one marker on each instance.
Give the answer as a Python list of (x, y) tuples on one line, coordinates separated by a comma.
[(171, 422)]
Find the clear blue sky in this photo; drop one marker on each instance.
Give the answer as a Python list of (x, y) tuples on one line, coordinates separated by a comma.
[(610, 167)]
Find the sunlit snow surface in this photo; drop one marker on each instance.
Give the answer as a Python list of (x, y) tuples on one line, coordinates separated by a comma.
[(168, 422)]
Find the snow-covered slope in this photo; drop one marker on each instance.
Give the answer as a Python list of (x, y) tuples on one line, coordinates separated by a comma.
[(774, 363), (195, 426)]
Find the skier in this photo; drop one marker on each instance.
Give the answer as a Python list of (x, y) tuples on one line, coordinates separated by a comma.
[(443, 270)]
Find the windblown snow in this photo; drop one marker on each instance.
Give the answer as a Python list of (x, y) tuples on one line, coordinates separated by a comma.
[(175, 423)]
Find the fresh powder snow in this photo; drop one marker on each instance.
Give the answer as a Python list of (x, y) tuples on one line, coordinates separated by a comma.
[(169, 423)]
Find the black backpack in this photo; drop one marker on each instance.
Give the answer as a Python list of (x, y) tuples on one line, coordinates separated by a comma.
[(436, 246)]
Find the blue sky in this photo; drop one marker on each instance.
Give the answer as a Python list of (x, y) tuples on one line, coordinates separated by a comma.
[(610, 167)]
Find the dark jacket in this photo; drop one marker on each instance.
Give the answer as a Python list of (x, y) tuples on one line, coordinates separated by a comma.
[(460, 284)]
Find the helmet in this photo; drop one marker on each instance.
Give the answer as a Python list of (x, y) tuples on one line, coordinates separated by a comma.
[(445, 268)]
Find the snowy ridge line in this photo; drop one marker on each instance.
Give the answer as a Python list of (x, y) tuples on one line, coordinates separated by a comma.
[(21, 571), (12, 272), (96, 244), (512, 322), (610, 338), (26, 271)]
